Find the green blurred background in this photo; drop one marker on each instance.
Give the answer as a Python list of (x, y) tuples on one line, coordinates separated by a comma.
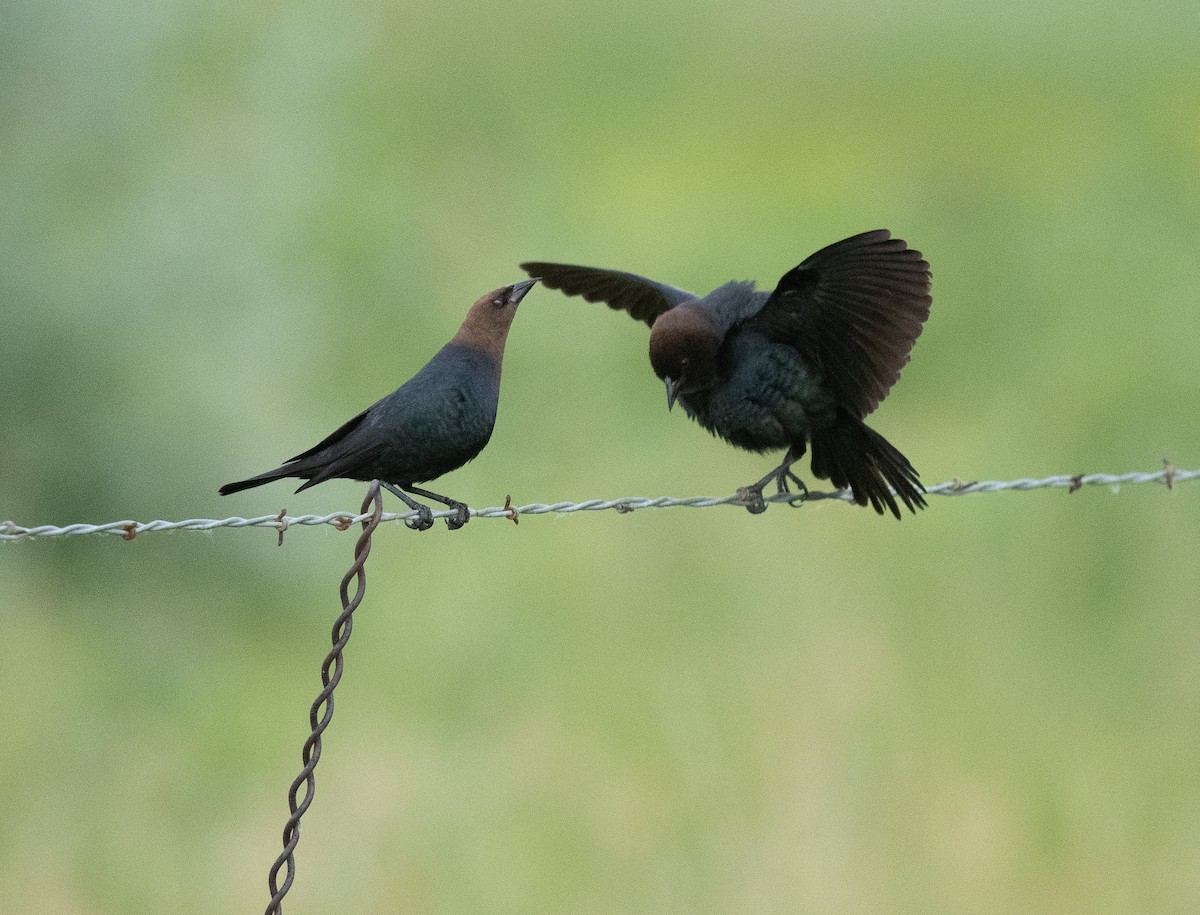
[(225, 228)]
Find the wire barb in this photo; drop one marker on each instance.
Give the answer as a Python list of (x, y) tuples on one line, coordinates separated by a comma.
[(321, 712), (9, 531)]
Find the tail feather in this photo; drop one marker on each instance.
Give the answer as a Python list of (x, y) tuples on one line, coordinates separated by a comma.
[(851, 454), (316, 466), (269, 477)]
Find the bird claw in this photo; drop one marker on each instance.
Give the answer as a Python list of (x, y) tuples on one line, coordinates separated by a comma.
[(462, 515), (797, 499), (423, 521), (752, 498)]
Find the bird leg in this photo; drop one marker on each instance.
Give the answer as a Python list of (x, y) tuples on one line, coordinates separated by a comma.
[(463, 512), (424, 519), (752, 496)]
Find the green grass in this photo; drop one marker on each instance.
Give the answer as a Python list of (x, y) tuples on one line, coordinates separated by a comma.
[(224, 229)]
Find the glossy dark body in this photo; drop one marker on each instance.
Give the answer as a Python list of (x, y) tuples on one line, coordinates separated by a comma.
[(766, 398)]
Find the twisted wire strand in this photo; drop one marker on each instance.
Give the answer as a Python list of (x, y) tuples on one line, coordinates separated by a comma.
[(10, 531), (321, 712)]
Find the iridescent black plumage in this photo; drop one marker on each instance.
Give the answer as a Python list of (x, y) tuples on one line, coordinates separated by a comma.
[(802, 364)]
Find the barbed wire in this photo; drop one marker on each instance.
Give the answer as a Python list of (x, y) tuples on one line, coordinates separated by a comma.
[(128, 530)]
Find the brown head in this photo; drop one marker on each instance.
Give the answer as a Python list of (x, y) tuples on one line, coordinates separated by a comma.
[(486, 325), (684, 343)]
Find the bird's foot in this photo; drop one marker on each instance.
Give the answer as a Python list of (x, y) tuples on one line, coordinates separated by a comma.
[(423, 521), (797, 498), (462, 515), (752, 498)]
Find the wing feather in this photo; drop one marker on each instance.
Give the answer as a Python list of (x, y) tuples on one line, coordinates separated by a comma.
[(856, 308), (642, 298)]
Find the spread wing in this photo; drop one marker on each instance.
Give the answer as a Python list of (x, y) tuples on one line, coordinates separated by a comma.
[(644, 299), (855, 308)]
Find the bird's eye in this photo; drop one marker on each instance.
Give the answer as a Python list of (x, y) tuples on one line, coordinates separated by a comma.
[(500, 302)]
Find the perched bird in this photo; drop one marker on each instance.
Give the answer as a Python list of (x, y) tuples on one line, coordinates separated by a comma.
[(802, 364), (435, 422)]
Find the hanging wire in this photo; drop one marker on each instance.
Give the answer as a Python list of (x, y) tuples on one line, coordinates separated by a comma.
[(321, 712)]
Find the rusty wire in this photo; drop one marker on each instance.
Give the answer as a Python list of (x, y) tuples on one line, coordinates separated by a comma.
[(322, 709)]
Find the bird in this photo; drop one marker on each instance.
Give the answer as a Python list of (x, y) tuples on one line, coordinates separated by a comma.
[(803, 364), (435, 422)]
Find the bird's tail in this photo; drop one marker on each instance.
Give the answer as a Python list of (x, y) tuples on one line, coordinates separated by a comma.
[(849, 453), (269, 477)]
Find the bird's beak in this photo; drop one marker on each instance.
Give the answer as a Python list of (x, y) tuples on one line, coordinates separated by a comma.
[(672, 392), (517, 291)]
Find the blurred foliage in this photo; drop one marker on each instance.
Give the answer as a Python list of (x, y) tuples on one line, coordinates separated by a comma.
[(224, 228)]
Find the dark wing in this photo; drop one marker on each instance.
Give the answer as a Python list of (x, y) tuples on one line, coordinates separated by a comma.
[(336, 455), (644, 299), (333, 438), (855, 308)]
